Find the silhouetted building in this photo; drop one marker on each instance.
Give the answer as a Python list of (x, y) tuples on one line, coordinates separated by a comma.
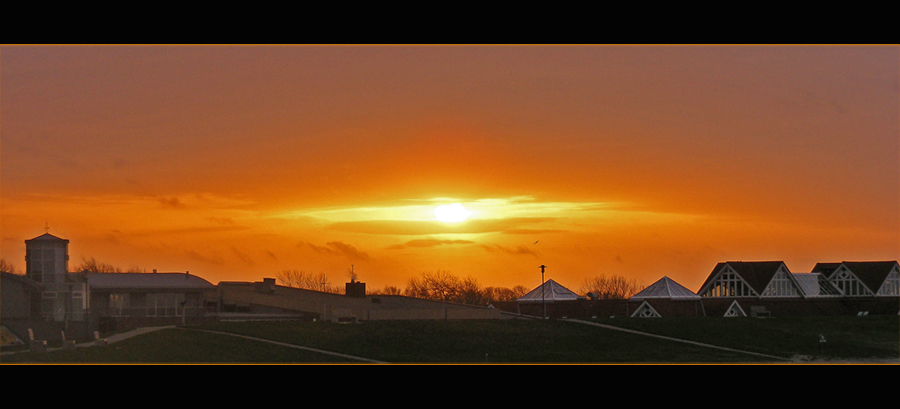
[(665, 298), (63, 296), (863, 278), (355, 288), (750, 279)]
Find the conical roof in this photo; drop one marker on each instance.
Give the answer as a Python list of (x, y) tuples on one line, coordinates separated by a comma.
[(553, 291), (665, 288)]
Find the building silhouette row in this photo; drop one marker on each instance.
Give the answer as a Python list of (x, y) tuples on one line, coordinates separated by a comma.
[(51, 301), (739, 288)]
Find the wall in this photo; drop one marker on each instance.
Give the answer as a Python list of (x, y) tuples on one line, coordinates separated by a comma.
[(330, 306)]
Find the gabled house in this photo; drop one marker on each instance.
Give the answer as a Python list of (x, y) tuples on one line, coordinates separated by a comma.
[(863, 278), (758, 279)]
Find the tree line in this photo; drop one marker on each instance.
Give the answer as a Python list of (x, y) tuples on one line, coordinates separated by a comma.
[(441, 285), (438, 285)]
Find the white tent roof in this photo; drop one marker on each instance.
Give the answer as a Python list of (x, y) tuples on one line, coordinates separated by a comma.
[(665, 288), (553, 291)]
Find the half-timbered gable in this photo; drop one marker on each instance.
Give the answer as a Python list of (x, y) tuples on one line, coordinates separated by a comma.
[(735, 310), (750, 279), (783, 284), (891, 285), (867, 278), (645, 310), (724, 281)]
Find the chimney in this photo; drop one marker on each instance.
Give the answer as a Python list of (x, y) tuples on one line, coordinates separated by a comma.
[(355, 289), (266, 286)]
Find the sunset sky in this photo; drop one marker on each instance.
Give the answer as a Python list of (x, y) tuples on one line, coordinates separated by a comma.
[(238, 162)]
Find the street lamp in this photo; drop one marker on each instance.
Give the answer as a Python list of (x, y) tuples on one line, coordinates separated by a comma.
[(543, 305)]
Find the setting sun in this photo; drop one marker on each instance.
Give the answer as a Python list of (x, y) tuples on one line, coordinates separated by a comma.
[(451, 213)]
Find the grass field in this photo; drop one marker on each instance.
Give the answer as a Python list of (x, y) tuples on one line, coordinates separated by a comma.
[(773, 340)]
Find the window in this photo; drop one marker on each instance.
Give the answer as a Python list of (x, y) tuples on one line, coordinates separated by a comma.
[(645, 311), (735, 310), (118, 302), (729, 284), (891, 286), (165, 304), (848, 283), (780, 286)]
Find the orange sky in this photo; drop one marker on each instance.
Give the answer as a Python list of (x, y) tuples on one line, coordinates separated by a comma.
[(237, 162)]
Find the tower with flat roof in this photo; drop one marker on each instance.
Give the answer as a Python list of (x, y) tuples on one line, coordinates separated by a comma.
[(63, 298)]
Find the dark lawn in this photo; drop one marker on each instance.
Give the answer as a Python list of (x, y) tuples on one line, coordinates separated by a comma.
[(505, 341)]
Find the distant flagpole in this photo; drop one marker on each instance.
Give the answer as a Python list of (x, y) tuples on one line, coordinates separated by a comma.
[(543, 305)]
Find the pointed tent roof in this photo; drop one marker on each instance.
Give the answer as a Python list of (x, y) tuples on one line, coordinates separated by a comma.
[(553, 291), (665, 288)]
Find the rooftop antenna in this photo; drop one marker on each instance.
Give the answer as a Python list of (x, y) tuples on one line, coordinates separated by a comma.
[(47, 227)]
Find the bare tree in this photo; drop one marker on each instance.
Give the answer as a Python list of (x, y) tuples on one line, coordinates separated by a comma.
[(443, 286), (470, 292), (7, 267), (136, 269), (307, 281), (93, 266), (611, 288), (436, 285), (388, 290), (504, 294)]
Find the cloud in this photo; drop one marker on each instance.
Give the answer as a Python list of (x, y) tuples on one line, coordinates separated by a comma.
[(337, 248), (517, 251), (427, 243), (172, 202), (241, 256), (532, 231), (214, 259)]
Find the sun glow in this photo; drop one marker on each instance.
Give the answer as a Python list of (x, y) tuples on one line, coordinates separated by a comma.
[(451, 213)]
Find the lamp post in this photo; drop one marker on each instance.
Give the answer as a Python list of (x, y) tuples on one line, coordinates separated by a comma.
[(543, 305)]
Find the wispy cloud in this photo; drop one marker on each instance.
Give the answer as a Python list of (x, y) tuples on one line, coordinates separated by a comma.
[(518, 250), (427, 243), (336, 248), (214, 258), (172, 202), (241, 256)]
